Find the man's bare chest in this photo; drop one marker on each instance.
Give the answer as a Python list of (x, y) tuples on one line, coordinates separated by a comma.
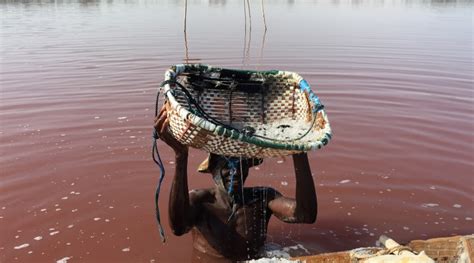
[(249, 221)]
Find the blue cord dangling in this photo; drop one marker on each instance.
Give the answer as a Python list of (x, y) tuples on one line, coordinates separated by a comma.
[(233, 171)]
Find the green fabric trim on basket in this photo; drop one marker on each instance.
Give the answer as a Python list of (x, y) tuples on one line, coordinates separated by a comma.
[(233, 134)]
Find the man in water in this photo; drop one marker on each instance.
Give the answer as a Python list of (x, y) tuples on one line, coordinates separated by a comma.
[(229, 222)]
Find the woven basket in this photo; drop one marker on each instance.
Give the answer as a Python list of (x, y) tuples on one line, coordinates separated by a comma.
[(244, 113)]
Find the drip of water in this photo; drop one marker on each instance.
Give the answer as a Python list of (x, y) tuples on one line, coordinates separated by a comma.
[(243, 196), (265, 196)]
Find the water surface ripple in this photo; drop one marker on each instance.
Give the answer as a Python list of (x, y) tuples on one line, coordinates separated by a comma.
[(78, 82)]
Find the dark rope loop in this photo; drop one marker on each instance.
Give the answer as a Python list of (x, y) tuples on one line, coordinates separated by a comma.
[(157, 159)]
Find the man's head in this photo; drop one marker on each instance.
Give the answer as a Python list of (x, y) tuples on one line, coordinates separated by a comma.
[(228, 169)]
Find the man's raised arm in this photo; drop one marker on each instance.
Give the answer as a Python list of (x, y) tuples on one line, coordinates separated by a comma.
[(302, 209), (180, 210)]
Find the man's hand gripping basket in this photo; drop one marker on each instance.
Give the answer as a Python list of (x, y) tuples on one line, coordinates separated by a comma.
[(244, 113)]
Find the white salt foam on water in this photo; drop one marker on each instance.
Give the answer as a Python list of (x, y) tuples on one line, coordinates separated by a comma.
[(271, 260), (430, 205), (38, 238), (344, 181), (22, 246), (63, 260), (54, 233), (274, 253), (127, 249)]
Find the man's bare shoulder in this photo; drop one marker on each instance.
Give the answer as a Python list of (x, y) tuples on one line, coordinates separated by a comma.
[(197, 196)]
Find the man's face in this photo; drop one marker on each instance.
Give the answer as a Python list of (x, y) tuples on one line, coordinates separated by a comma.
[(237, 181), (225, 167), (232, 172)]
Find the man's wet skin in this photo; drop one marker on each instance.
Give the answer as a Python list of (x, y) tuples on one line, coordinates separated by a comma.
[(229, 222), (234, 224)]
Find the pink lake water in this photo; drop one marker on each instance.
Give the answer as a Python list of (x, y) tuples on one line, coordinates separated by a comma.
[(77, 89)]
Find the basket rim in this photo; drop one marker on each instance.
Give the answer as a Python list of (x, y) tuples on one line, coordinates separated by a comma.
[(292, 145)]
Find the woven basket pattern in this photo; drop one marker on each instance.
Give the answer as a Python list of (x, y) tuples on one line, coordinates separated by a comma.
[(278, 97)]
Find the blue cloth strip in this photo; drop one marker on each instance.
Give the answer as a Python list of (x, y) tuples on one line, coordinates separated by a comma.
[(304, 86)]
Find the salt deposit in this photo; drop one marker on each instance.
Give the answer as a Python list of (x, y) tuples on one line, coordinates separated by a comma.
[(284, 129), (22, 246), (430, 205), (63, 260), (272, 260), (54, 233)]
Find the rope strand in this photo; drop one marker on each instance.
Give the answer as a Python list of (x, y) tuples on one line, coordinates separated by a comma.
[(155, 154)]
